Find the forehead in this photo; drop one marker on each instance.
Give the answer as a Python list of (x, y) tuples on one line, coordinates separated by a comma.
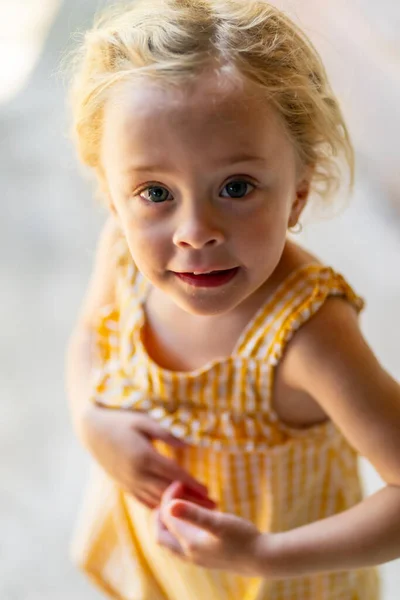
[(206, 117)]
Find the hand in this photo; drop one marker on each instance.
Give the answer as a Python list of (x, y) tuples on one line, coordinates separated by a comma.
[(121, 442), (174, 491), (208, 538)]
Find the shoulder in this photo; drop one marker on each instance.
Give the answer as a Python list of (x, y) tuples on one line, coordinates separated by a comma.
[(330, 360), (300, 381), (101, 287), (320, 341), (109, 238), (318, 300), (330, 336)]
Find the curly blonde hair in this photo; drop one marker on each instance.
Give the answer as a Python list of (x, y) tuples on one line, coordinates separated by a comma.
[(174, 40)]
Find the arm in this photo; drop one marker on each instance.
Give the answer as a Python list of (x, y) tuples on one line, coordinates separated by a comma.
[(80, 355), (329, 359), (120, 441), (339, 370), (79, 363)]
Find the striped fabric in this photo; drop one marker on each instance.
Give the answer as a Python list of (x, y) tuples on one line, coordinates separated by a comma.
[(254, 465)]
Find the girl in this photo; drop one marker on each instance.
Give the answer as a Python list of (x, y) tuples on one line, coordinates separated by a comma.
[(217, 372)]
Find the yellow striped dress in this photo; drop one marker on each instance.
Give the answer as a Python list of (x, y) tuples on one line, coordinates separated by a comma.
[(253, 464)]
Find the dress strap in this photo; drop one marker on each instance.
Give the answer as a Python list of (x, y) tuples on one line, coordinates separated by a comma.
[(116, 321), (312, 285)]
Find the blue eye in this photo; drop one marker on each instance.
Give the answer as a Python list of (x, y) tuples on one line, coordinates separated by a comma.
[(237, 188), (157, 194)]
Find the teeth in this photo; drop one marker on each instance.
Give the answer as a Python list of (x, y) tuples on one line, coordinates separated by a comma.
[(203, 273)]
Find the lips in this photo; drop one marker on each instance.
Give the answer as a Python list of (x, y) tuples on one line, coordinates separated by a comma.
[(200, 271), (208, 279)]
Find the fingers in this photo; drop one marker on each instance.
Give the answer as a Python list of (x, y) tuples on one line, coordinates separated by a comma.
[(148, 491), (193, 496), (155, 485), (159, 464), (179, 490), (170, 469), (189, 535), (160, 490), (146, 499), (164, 537), (156, 432), (174, 491), (193, 514)]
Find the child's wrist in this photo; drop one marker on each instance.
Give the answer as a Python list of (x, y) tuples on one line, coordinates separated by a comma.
[(285, 555), (270, 561)]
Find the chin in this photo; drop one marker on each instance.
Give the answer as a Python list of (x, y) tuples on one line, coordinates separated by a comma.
[(205, 307)]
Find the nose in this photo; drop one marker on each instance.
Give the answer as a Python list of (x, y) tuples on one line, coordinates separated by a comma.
[(198, 228)]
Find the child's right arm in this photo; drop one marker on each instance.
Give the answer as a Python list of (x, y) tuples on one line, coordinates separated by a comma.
[(81, 351), (119, 440)]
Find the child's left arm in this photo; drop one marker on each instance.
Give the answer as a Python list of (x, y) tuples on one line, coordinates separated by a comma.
[(329, 359)]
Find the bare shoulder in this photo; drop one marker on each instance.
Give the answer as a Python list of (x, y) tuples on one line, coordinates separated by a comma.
[(296, 401), (331, 335), (101, 287), (330, 360), (335, 324)]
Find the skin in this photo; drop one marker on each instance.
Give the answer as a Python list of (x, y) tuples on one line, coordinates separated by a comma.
[(185, 142), (329, 359), (188, 138), (199, 225)]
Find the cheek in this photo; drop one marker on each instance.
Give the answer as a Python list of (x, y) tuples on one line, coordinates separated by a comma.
[(265, 229), (148, 246), (146, 235)]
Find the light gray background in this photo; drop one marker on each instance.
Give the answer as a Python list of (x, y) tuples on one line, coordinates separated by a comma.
[(48, 230)]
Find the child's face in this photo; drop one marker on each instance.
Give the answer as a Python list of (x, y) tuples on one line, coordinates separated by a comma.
[(201, 179)]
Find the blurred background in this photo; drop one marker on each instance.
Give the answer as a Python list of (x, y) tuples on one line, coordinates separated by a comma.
[(48, 232)]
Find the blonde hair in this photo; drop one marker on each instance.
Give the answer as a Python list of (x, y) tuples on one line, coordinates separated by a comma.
[(174, 40)]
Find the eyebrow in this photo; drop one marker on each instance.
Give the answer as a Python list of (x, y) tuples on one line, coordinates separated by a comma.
[(232, 160)]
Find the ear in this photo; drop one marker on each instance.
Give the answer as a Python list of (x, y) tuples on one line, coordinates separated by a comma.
[(301, 197)]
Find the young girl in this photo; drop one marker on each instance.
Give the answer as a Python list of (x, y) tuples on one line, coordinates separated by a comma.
[(217, 372)]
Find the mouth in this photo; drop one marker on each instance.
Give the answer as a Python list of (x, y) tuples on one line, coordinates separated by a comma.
[(209, 279)]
